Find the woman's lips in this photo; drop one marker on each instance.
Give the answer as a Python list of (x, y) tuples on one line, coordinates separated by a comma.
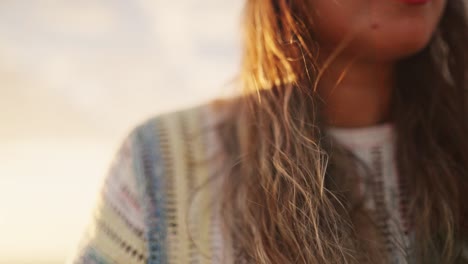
[(415, 2)]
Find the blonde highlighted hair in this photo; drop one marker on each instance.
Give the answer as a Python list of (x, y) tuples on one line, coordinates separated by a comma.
[(288, 197)]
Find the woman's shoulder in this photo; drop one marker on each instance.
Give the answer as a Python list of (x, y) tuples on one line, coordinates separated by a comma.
[(153, 182), (180, 129), (178, 153), (180, 145)]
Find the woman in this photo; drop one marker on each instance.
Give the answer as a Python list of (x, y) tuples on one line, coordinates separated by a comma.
[(347, 146)]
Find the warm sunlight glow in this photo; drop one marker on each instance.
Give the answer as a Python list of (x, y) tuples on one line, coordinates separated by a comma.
[(48, 196), (75, 77)]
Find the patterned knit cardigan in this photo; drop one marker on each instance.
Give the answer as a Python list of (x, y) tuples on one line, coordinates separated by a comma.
[(142, 210)]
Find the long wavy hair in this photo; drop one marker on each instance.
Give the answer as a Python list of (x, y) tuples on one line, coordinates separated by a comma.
[(288, 196)]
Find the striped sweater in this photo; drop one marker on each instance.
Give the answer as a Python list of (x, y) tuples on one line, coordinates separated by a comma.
[(143, 212)]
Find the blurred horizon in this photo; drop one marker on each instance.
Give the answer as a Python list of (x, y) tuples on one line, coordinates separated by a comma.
[(76, 78)]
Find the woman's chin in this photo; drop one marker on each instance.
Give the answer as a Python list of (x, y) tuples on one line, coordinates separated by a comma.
[(395, 47)]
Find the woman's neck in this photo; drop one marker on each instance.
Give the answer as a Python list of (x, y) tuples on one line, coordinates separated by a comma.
[(356, 94)]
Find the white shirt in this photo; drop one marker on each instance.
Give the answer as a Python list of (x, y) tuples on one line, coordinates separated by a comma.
[(382, 188)]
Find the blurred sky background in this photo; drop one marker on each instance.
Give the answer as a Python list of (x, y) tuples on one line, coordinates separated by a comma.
[(75, 77)]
